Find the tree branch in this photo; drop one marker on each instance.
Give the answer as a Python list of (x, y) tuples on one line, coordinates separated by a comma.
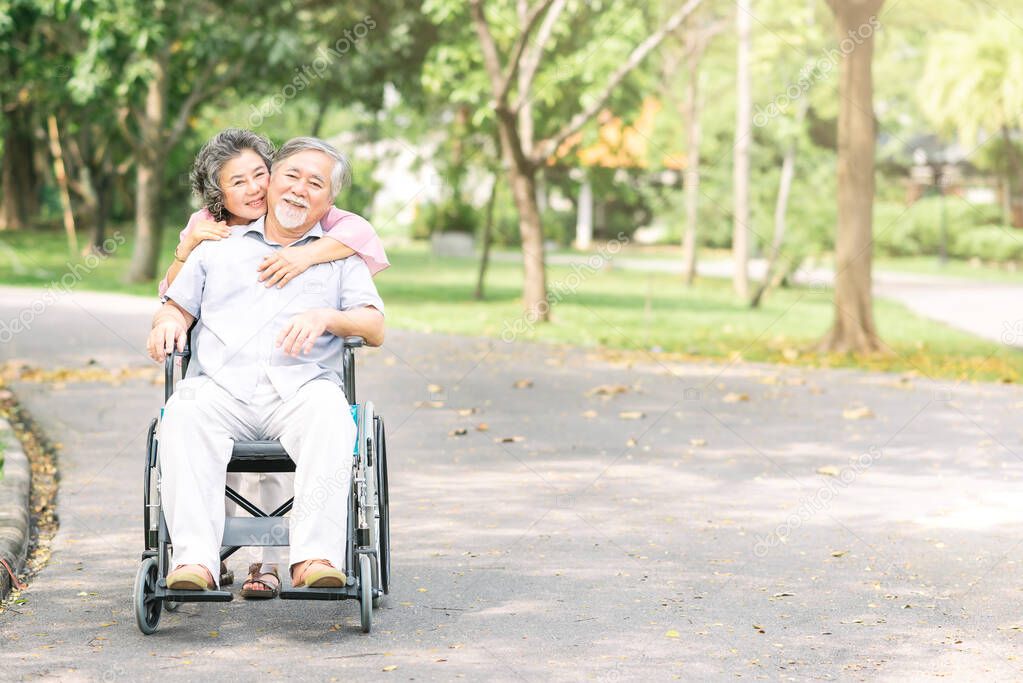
[(197, 95), (531, 61), (547, 146), (515, 55), (491, 58)]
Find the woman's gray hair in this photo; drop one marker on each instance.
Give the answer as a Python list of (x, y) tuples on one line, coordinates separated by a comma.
[(340, 176), (221, 148)]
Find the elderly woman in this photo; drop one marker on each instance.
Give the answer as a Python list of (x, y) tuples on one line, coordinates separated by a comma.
[(230, 177)]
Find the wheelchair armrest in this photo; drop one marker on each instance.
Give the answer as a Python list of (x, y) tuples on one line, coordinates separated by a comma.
[(168, 370), (354, 342)]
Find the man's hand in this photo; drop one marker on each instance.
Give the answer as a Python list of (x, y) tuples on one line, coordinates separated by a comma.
[(302, 331), (166, 336), (282, 266)]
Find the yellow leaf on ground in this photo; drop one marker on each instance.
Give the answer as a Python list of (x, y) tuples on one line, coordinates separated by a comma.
[(390, 667), (523, 384), (671, 634), (829, 470), (589, 414), (632, 415), (857, 413), (509, 439), (697, 442), (482, 427), (607, 390), (735, 398), (461, 431)]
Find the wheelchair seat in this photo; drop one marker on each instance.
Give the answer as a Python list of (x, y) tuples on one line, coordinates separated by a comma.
[(260, 456)]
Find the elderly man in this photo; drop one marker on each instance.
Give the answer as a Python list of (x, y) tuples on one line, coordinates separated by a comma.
[(265, 366)]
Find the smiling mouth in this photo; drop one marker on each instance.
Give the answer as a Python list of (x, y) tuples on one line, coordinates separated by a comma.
[(295, 204), (257, 203)]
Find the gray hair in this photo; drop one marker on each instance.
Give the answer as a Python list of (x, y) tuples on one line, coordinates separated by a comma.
[(340, 176), (221, 148)]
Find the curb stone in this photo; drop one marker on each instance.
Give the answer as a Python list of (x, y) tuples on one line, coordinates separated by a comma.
[(14, 506)]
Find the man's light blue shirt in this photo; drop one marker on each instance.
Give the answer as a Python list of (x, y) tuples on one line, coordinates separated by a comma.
[(239, 317)]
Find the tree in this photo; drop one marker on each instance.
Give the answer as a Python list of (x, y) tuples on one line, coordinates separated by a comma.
[(973, 85), (853, 328), (24, 67), (511, 73), (741, 150)]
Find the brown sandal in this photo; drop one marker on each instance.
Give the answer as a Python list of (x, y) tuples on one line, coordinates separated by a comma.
[(226, 575), (255, 576)]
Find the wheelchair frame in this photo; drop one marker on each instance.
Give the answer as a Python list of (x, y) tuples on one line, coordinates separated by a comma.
[(367, 546)]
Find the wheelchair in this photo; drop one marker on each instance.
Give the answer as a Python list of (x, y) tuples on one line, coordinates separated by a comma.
[(368, 552)]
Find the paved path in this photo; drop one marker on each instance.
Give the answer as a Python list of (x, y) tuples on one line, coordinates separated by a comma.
[(989, 310), (714, 538)]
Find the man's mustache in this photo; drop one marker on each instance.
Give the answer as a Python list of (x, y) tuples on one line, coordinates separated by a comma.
[(295, 200)]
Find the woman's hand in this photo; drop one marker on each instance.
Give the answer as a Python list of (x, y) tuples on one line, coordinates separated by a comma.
[(202, 231), (301, 332), (282, 266)]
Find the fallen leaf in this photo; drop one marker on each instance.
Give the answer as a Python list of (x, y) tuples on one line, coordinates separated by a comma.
[(783, 595), (838, 553), (466, 412), (429, 404), (671, 634), (421, 590), (735, 397), (697, 442), (482, 427), (523, 384), (461, 431), (589, 414), (632, 415), (857, 413), (631, 442), (607, 390), (509, 439), (390, 667), (829, 470), (214, 634)]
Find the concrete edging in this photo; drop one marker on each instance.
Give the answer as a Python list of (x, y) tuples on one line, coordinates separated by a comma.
[(15, 518)]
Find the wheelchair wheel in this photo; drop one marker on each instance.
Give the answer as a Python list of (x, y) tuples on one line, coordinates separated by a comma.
[(147, 607), (366, 591), (383, 500)]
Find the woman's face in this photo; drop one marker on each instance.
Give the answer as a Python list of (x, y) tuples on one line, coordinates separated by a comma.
[(243, 180)]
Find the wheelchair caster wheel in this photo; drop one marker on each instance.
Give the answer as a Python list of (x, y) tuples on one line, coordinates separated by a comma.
[(366, 592), (147, 607), (171, 606)]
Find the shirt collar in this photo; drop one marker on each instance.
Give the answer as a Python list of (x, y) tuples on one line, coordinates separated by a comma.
[(258, 226)]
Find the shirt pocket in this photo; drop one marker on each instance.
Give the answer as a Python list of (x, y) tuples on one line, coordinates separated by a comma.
[(318, 287)]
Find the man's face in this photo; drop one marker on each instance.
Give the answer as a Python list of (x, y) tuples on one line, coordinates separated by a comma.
[(299, 191)]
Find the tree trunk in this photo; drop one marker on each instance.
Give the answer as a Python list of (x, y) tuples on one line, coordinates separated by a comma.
[(1013, 166), (20, 183), (149, 166), (60, 174), (488, 232), (788, 174), (853, 329), (692, 173), (743, 135)]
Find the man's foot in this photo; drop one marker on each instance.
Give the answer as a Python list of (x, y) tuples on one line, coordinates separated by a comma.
[(261, 585), (190, 577), (317, 574)]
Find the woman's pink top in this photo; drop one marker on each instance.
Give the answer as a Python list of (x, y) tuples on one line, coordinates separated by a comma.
[(350, 229)]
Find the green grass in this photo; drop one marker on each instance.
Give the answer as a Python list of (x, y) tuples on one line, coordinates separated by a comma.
[(929, 265), (614, 309)]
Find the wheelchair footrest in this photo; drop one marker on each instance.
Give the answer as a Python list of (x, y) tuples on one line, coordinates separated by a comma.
[(164, 593), (344, 593)]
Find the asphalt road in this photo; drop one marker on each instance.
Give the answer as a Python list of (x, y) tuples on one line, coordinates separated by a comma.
[(709, 522)]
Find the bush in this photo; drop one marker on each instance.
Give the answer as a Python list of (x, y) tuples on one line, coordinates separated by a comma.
[(448, 216), (996, 243), (916, 230)]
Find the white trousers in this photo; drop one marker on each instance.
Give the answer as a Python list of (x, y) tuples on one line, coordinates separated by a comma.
[(199, 425), (268, 490)]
